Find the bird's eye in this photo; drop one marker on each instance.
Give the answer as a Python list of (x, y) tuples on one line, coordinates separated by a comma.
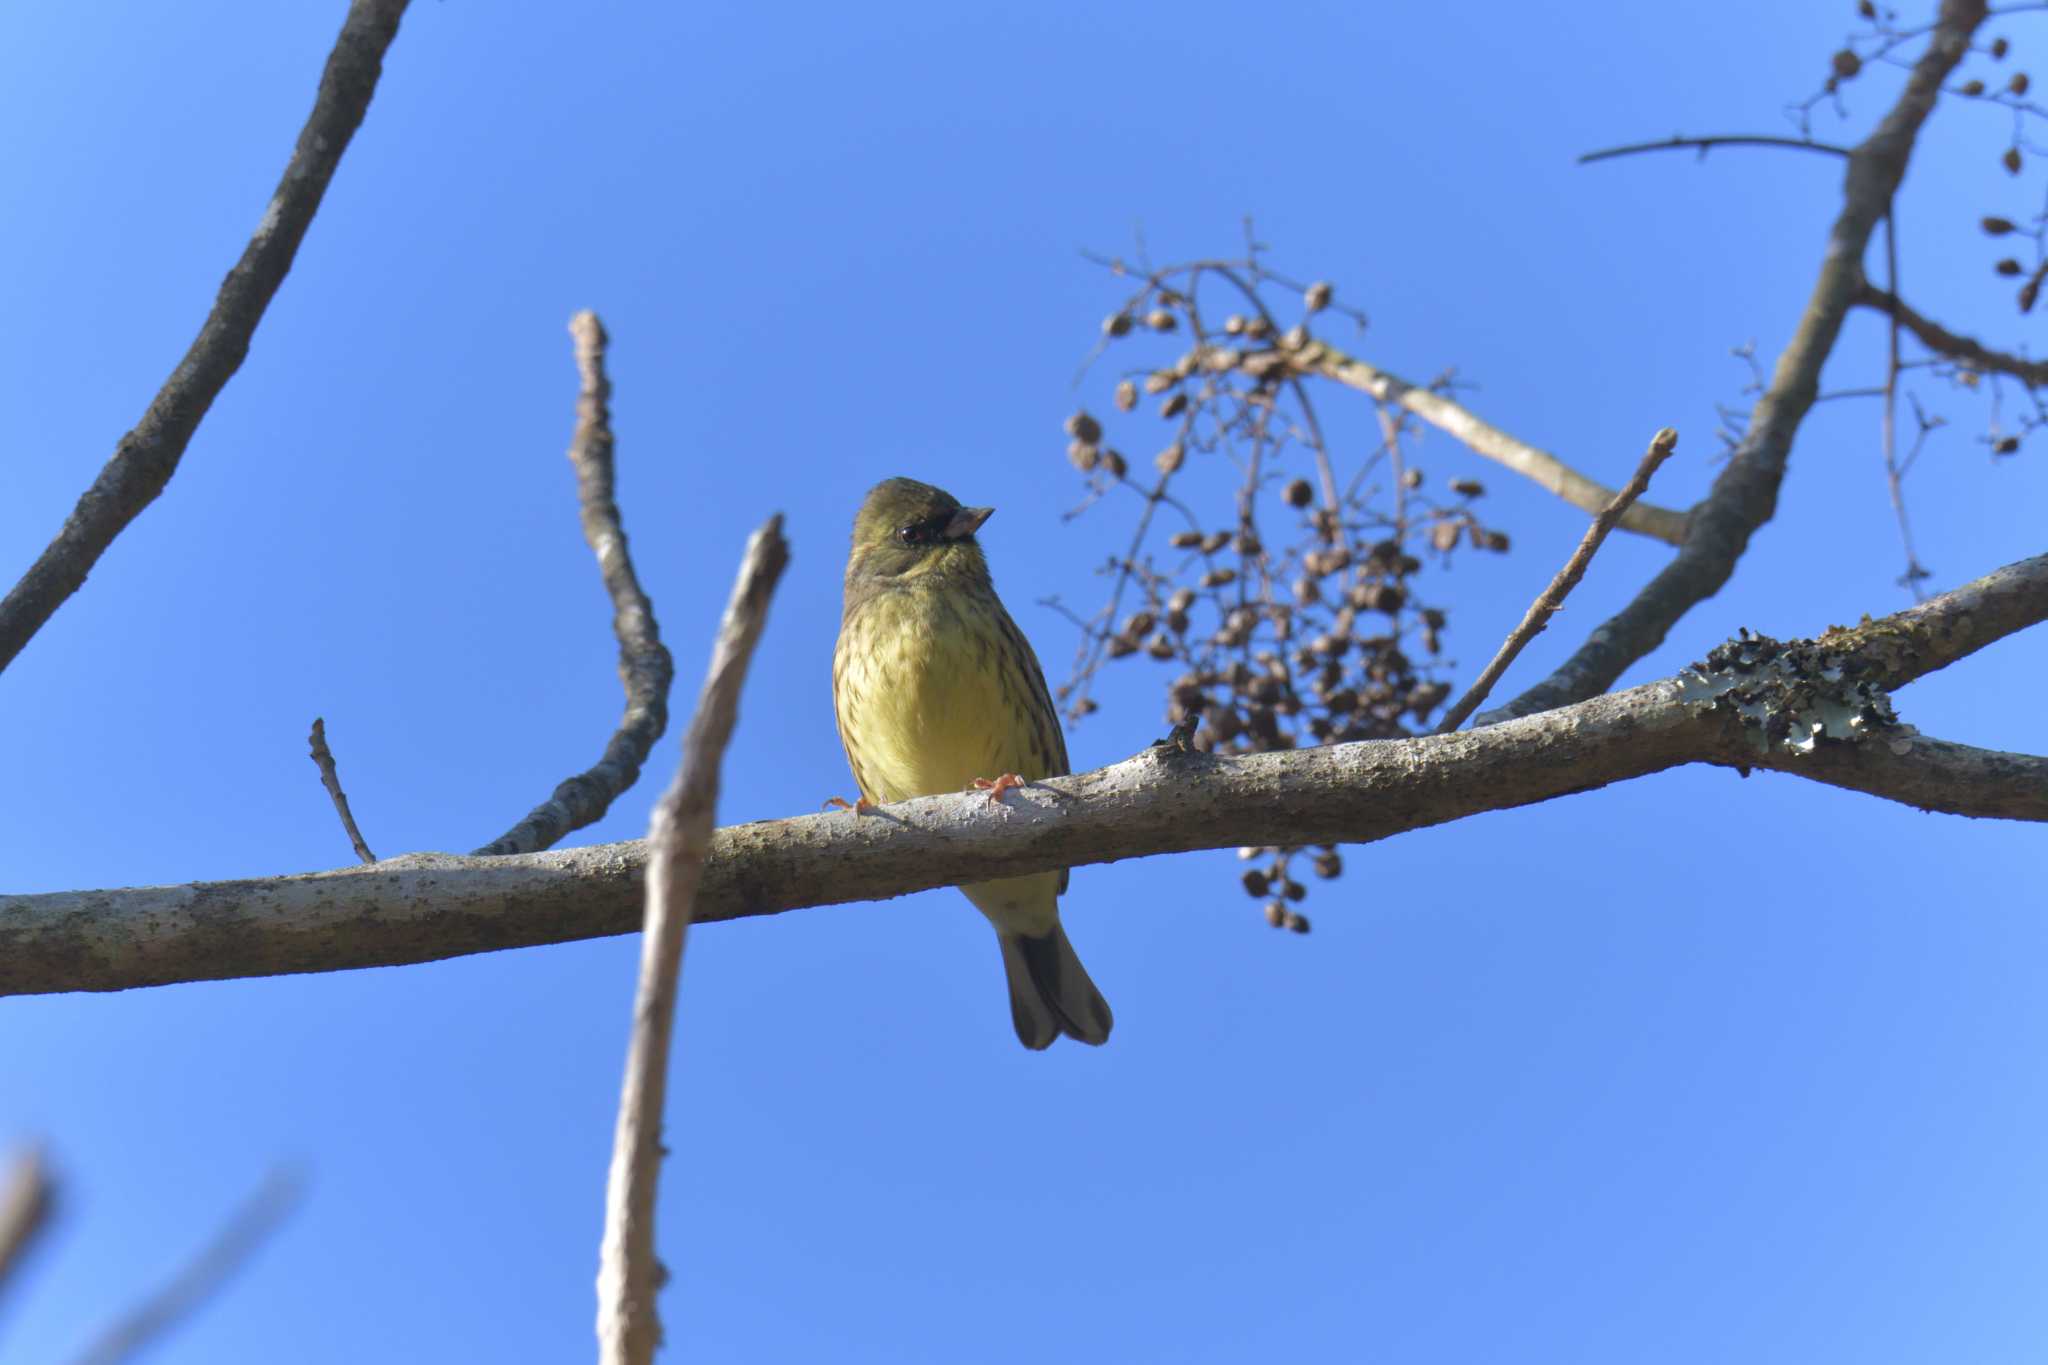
[(926, 532)]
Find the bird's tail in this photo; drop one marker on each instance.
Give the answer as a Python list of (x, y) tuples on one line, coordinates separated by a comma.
[(1050, 992)]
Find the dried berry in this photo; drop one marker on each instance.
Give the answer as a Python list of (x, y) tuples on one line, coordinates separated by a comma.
[(1317, 297), (1126, 396), (1116, 325), (1174, 406), (1083, 455), (1082, 427), (1467, 488), (1846, 64), (2008, 266), (1159, 320), (2018, 84), (1300, 493), (1114, 462), (1997, 227), (1170, 459)]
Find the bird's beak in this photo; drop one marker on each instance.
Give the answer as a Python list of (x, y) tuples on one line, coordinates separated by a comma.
[(967, 521)]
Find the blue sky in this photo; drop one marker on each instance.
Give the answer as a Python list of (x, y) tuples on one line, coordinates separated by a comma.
[(1695, 1069)]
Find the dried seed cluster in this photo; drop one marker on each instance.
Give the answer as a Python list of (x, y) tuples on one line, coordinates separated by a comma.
[(1301, 619)]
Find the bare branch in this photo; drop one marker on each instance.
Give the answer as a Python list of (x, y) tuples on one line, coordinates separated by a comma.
[(1539, 466), (1703, 145), (1552, 598), (1938, 339), (1745, 496), (429, 906), (629, 1276), (147, 456), (26, 1197), (204, 1276), (331, 779), (644, 664)]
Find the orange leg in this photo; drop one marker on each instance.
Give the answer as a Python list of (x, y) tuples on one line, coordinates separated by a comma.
[(860, 807), (1008, 782)]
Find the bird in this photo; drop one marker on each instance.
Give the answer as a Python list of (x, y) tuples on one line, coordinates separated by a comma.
[(936, 690)]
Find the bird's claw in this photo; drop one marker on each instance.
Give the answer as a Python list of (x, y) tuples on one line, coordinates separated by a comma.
[(860, 807), (995, 787)]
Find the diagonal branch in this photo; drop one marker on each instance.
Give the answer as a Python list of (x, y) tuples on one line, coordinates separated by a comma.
[(1941, 341), (330, 778), (26, 1197), (1538, 466), (147, 456), (629, 1276), (202, 1277), (1551, 600), (429, 906), (1745, 496), (644, 664)]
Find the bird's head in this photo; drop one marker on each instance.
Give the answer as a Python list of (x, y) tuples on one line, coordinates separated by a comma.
[(905, 529)]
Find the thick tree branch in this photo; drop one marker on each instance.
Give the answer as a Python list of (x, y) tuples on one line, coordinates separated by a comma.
[(1941, 341), (629, 1277), (644, 664), (1538, 466), (428, 906), (1745, 496), (147, 456)]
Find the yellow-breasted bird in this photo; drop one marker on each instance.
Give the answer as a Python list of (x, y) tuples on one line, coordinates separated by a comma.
[(937, 691)]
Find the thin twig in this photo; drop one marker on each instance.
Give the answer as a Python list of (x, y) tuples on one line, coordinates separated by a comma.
[(1538, 466), (1551, 598), (629, 1276), (644, 664), (147, 456), (26, 1198), (331, 780), (204, 1275), (1705, 144), (1938, 339), (1888, 419)]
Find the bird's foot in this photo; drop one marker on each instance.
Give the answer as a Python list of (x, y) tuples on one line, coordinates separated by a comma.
[(995, 787), (860, 807)]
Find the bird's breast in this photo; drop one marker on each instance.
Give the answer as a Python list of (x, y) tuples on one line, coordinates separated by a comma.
[(928, 699)]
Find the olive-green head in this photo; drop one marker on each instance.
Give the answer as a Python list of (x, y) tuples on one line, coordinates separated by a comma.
[(906, 529)]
